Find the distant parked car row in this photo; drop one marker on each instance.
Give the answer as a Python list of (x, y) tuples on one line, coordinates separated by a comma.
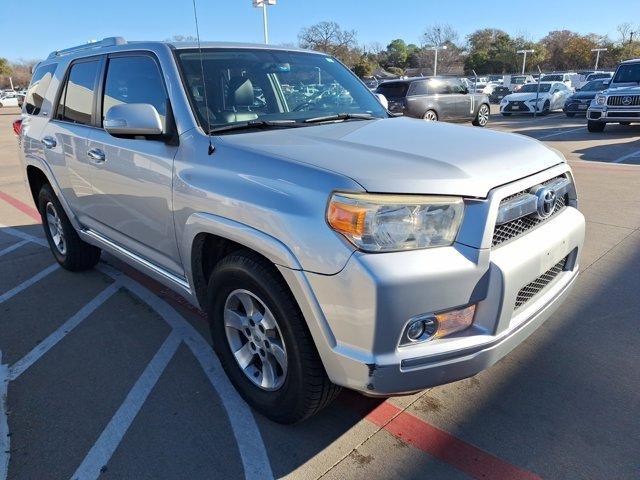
[(536, 98)]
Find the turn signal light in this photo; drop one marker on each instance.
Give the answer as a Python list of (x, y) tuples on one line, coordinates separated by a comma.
[(454, 321), (347, 219)]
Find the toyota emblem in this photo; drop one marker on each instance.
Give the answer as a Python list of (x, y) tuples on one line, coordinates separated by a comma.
[(546, 202)]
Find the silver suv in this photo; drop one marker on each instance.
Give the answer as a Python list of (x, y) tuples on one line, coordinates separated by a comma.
[(330, 243)]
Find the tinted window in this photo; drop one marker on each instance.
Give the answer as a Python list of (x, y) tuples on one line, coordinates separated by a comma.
[(419, 88), (134, 79), (628, 73), (38, 88), (552, 78), (393, 89), (455, 86), (76, 102), (439, 86), (594, 86)]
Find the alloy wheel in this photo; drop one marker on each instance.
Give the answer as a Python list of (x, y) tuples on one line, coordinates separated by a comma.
[(55, 228), (255, 340), (430, 116), (483, 115)]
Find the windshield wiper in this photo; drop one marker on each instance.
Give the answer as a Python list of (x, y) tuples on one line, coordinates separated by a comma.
[(255, 124), (340, 116)]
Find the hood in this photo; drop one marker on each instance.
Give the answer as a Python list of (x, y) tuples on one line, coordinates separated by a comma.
[(522, 97), (619, 89), (405, 155), (589, 95)]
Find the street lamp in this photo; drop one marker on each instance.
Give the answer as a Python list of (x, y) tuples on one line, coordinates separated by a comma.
[(524, 59), (598, 50), (435, 61), (263, 4)]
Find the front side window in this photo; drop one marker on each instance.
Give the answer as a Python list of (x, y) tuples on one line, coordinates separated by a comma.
[(134, 79), (77, 99), (245, 84), (38, 88)]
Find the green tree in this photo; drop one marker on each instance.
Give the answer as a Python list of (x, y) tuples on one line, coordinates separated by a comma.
[(397, 53), (5, 68)]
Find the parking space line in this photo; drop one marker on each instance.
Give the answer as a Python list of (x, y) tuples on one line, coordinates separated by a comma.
[(13, 247), (20, 205), (253, 453), (4, 425), (43, 347), (440, 444), (27, 283), (555, 134), (621, 159), (25, 236), (112, 435)]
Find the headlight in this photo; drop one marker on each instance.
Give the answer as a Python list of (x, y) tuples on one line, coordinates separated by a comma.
[(385, 223), (601, 99)]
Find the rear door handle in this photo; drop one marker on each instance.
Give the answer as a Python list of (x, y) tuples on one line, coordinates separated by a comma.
[(49, 142), (96, 155)]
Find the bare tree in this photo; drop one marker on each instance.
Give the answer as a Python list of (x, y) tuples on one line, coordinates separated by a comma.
[(439, 34), (625, 30), (329, 37)]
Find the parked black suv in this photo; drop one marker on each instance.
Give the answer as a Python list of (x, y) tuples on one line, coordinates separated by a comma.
[(436, 98)]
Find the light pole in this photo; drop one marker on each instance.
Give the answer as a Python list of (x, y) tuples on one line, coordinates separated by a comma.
[(435, 60), (524, 59), (263, 4), (598, 50)]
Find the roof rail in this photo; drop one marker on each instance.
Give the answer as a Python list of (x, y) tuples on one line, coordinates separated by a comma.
[(105, 42)]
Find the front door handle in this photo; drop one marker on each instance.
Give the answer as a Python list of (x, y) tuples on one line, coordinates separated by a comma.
[(49, 142), (96, 155)]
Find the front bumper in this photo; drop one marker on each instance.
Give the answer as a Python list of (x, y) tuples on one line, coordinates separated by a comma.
[(576, 107), (613, 115), (363, 310)]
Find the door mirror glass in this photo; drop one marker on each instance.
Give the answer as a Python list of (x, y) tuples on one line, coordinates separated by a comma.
[(133, 119), (383, 100)]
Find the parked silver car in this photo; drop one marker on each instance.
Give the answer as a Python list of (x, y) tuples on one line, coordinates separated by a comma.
[(330, 243)]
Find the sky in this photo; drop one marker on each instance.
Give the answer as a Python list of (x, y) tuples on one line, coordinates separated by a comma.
[(73, 22)]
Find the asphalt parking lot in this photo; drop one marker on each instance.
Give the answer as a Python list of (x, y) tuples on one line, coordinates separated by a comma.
[(106, 374)]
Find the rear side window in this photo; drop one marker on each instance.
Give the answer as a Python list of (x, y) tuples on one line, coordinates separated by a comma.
[(419, 88), (134, 79), (38, 88), (77, 99), (439, 86), (393, 89)]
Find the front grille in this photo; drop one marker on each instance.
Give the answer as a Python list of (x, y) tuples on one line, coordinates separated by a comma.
[(517, 227), (619, 101), (521, 107), (529, 291)]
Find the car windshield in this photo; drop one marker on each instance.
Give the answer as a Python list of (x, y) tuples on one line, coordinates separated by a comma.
[(594, 86), (552, 78), (248, 85), (628, 73), (533, 88), (518, 80), (596, 76)]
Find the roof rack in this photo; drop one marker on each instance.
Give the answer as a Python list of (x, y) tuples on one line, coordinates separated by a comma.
[(105, 42)]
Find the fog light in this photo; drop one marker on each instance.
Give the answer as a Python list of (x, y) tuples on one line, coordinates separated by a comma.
[(428, 326), (420, 329), (415, 330)]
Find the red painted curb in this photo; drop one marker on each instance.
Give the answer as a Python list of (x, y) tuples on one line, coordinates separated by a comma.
[(20, 205)]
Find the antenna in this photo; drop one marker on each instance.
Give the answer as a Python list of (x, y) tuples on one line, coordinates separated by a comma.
[(204, 81)]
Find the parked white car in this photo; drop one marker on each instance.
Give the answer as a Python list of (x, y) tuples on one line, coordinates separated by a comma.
[(552, 96), (9, 99), (571, 80)]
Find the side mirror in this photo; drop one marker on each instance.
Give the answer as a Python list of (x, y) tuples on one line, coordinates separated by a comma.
[(383, 100), (133, 119)]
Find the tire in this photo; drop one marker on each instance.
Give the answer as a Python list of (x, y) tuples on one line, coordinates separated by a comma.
[(595, 126), (546, 108), (299, 390), (482, 118), (430, 116), (71, 252), (570, 115)]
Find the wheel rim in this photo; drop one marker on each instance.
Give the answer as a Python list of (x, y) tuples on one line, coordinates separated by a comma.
[(255, 340), (483, 115), (55, 228), (430, 116)]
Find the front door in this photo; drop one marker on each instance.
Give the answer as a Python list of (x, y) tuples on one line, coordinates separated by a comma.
[(132, 177)]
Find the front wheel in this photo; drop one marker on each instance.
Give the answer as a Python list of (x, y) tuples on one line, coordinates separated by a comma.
[(482, 118), (263, 341), (595, 127), (546, 108), (69, 250), (430, 116)]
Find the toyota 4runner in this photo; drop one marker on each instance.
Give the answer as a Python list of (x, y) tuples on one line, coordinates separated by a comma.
[(330, 243)]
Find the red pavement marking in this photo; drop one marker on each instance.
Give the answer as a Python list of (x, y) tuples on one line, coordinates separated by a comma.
[(20, 205), (410, 429)]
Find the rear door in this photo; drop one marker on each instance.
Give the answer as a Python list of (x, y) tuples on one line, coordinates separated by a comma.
[(444, 99), (66, 137), (132, 177), (463, 99)]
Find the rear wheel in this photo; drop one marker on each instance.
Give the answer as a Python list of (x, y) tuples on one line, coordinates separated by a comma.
[(67, 247), (430, 116), (595, 127), (263, 342), (482, 118), (546, 108)]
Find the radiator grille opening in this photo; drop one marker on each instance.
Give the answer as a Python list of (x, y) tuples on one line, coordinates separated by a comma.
[(529, 291)]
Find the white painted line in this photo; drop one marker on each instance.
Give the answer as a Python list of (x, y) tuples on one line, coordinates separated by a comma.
[(112, 435), (635, 154), (27, 283), (5, 440), (48, 343), (247, 434), (558, 133), (13, 247), (25, 236)]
